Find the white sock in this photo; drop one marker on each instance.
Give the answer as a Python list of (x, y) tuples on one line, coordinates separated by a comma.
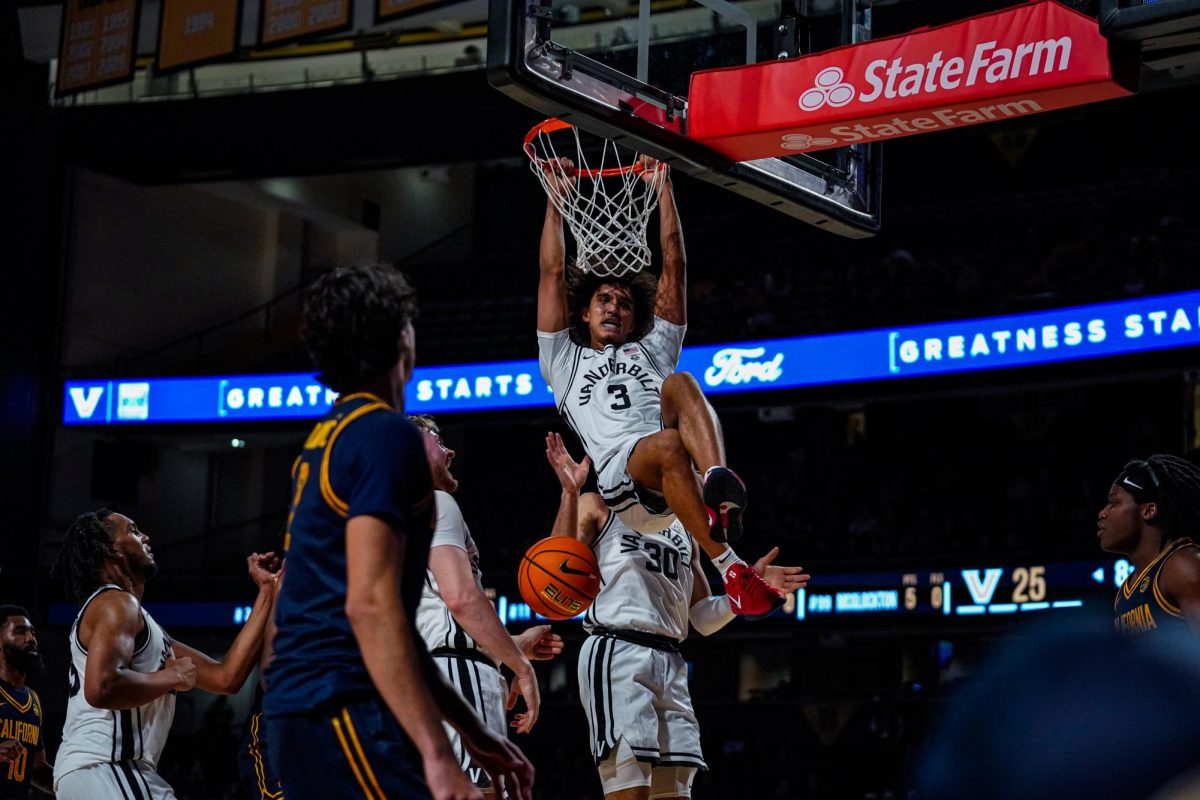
[(726, 560)]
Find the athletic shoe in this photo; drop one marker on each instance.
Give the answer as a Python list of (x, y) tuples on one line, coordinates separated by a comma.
[(724, 500), (749, 595)]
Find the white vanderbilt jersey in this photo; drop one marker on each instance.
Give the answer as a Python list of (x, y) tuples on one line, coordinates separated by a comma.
[(645, 580), (613, 395), (434, 622), (93, 735)]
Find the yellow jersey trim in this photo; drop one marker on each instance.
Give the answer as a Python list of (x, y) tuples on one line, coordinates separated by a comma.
[(358, 749), (12, 701), (337, 729), (340, 506), (1128, 586)]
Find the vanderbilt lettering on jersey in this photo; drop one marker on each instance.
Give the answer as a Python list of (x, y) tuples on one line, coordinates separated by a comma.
[(612, 395), (1140, 605), (618, 391), (646, 580)]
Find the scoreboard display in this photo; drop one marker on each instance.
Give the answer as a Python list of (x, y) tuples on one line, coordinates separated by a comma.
[(932, 595), (972, 592)]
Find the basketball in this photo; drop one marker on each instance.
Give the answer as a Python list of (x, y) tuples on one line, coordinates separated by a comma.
[(559, 577)]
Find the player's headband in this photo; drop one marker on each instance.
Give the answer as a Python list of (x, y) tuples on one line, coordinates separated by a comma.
[(1139, 480)]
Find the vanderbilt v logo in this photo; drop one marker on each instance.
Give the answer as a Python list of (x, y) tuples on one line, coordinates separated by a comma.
[(85, 405), (982, 589)]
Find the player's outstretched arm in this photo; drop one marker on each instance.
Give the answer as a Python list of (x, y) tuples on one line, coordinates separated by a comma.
[(709, 613), (452, 569), (670, 302), (391, 652), (552, 256), (111, 624), (578, 517), (227, 674)]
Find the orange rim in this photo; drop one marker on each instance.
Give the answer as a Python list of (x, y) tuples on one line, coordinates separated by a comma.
[(553, 125)]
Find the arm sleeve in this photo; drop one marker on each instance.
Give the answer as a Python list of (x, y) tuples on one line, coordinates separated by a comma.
[(711, 614), (664, 343), (451, 528), (554, 357)]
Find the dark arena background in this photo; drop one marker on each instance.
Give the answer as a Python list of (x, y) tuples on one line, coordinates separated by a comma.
[(161, 224)]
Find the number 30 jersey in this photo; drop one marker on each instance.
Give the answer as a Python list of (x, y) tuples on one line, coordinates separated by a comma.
[(612, 395), (645, 580)]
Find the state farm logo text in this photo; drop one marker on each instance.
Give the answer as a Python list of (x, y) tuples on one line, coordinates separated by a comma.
[(897, 78)]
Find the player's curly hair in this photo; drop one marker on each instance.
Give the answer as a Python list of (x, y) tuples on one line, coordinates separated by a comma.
[(352, 322), (582, 285), (1176, 484), (85, 545)]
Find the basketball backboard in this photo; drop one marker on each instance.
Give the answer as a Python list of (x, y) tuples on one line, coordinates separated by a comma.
[(621, 71)]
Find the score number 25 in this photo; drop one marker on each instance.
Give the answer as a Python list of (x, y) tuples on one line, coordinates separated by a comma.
[(1029, 583)]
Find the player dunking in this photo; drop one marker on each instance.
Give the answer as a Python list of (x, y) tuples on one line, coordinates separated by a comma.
[(632, 679), (460, 626), (1153, 506), (608, 348), (125, 669), (22, 743)]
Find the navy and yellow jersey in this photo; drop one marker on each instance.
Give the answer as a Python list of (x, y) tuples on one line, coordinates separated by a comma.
[(363, 458), (1141, 605), (260, 780), (20, 719)]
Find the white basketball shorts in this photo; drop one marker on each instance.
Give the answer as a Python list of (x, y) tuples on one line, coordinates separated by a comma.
[(639, 694)]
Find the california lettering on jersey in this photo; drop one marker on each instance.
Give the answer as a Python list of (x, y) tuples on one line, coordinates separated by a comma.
[(648, 381), (1137, 620), (23, 732)]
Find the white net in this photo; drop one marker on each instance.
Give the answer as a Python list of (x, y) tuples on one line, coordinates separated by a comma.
[(607, 206)]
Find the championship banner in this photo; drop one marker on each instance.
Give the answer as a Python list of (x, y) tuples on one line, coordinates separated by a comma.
[(387, 9), (194, 32), (286, 20), (97, 44), (1005, 65)]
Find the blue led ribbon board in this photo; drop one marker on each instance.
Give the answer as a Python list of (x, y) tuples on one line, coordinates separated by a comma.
[(1018, 340)]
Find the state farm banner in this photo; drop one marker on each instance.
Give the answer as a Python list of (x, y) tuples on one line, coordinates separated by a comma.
[(1013, 63)]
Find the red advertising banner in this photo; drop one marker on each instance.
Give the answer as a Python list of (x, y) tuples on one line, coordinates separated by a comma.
[(196, 31), (1012, 63), (97, 44), (287, 20)]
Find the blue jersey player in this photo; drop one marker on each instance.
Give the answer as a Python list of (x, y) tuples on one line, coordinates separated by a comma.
[(354, 703), (1151, 514), (22, 748)]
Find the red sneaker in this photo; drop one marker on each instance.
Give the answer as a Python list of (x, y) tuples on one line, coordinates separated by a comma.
[(724, 500), (749, 595)]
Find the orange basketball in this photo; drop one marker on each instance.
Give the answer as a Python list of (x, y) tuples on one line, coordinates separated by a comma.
[(559, 577)]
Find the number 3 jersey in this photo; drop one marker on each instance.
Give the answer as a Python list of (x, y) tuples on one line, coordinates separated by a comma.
[(98, 735), (610, 396), (645, 580)]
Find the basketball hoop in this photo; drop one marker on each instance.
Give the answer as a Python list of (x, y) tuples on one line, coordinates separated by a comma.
[(606, 207)]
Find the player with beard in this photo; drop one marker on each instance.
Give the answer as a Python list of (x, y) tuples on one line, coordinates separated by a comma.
[(22, 746), (125, 669)]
